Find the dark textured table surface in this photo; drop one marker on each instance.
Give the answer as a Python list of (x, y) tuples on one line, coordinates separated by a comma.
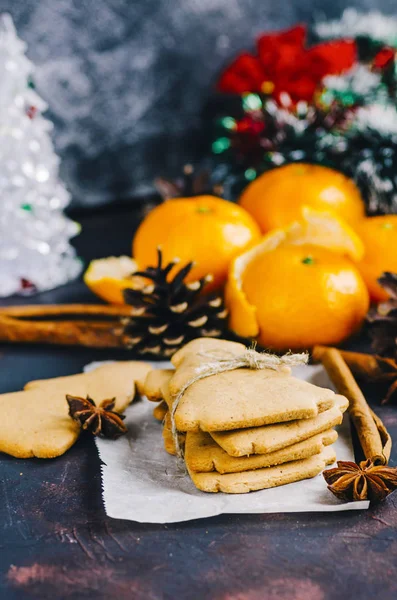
[(56, 541)]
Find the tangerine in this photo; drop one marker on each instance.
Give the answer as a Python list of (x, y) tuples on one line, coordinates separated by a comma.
[(207, 230), (276, 198), (379, 235)]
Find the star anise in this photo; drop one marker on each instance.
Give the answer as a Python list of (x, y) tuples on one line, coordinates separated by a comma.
[(366, 481), (100, 420)]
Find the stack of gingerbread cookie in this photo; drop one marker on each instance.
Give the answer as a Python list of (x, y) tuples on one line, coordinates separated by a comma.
[(243, 429)]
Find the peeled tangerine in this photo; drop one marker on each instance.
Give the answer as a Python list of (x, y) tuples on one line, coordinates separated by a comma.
[(108, 277), (294, 289)]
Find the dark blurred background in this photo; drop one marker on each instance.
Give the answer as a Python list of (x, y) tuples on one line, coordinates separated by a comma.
[(126, 80)]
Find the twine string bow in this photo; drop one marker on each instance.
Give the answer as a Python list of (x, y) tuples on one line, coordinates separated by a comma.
[(220, 361)]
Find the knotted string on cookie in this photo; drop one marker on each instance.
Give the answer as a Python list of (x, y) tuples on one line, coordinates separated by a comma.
[(220, 361)]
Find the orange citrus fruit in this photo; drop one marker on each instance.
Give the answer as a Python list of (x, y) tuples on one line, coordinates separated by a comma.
[(291, 296), (379, 235), (108, 277), (275, 199), (204, 229)]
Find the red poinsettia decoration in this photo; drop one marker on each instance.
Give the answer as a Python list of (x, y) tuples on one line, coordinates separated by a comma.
[(284, 65), (384, 58)]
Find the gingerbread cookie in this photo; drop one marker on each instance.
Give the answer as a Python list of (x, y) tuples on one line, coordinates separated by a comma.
[(203, 455), (239, 397), (270, 438), (259, 479), (160, 411), (126, 376), (36, 422), (193, 351), (154, 384), (169, 443), (246, 398)]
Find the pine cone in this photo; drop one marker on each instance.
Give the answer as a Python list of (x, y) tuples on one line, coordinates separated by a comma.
[(189, 184), (383, 319), (172, 312), (370, 158)]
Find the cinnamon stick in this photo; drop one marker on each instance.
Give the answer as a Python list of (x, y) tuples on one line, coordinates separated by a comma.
[(48, 310), (365, 366), (374, 438), (71, 333), (385, 436)]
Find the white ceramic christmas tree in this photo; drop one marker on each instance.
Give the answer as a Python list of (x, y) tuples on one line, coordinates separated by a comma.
[(35, 253)]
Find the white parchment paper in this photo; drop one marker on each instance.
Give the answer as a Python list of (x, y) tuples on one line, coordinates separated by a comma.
[(141, 482)]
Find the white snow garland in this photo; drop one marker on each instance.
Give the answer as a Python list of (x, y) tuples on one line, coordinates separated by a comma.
[(353, 23), (382, 118), (359, 80)]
